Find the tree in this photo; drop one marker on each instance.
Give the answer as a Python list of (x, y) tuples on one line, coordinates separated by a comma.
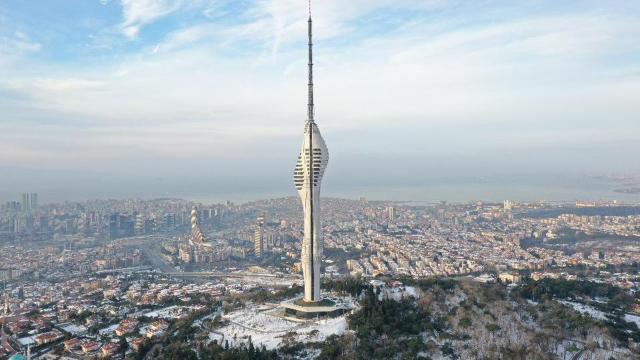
[(465, 322)]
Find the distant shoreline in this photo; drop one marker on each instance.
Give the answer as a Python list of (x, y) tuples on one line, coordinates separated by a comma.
[(631, 190), (564, 190)]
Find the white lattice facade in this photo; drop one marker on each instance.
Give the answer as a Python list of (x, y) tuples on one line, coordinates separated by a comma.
[(197, 237)]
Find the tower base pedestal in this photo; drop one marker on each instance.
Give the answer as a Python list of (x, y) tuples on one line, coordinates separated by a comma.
[(325, 308)]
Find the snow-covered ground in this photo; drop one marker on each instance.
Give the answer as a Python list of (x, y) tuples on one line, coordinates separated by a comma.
[(108, 330), (456, 299), (397, 293), (216, 336), (143, 330), (597, 314), (74, 329), (269, 329), (198, 322), (633, 319), (582, 308), (171, 312), (27, 340)]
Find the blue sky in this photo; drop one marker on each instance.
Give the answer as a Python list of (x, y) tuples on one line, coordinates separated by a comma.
[(107, 95)]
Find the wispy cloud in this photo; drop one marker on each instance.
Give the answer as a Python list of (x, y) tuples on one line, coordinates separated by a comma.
[(16, 45), (232, 83), (137, 13)]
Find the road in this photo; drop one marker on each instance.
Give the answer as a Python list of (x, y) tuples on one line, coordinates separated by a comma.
[(222, 274), (151, 248), (152, 252)]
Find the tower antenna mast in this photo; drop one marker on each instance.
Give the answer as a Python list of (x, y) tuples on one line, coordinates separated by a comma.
[(310, 113)]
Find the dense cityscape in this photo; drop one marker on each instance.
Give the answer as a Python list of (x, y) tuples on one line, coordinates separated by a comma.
[(111, 278)]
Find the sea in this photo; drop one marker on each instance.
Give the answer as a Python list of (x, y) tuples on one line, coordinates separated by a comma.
[(486, 191)]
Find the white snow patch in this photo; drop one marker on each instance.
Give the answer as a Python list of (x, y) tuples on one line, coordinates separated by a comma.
[(74, 329), (585, 309), (269, 329), (28, 340), (171, 312), (456, 299), (632, 318), (216, 336), (398, 293), (108, 330)]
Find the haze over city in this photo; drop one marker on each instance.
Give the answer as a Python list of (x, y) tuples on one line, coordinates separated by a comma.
[(425, 100)]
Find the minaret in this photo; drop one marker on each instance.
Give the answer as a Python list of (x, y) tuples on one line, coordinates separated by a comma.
[(307, 177)]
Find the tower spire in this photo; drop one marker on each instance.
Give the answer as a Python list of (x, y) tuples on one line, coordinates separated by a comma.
[(310, 113)]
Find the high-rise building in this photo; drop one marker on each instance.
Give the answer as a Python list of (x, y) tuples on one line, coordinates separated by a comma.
[(310, 167), (197, 237), (139, 225), (34, 201), (127, 226), (29, 201), (121, 225), (12, 205), (391, 213), (19, 225), (149, 226), (84, 224), (169, 221), (258, 238), (24, 201), (114, 225)]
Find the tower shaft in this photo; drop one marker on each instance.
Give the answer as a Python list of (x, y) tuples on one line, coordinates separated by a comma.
[(308, 173)]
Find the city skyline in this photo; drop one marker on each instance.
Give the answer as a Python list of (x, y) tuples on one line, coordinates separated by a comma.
[(464, 91)]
